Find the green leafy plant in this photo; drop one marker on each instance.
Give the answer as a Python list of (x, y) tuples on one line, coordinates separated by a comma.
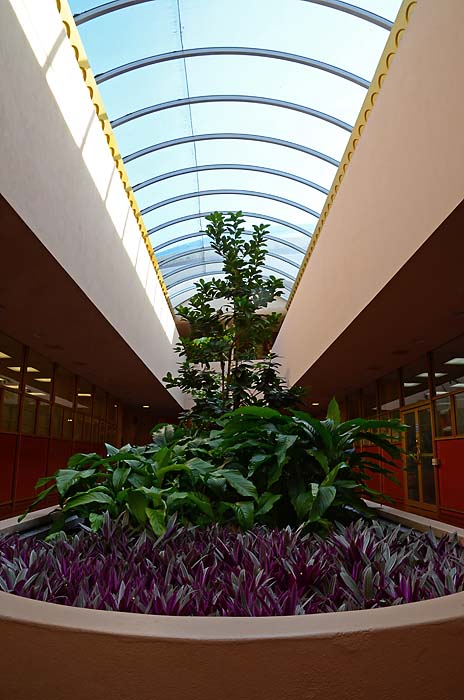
[(258, 466), (227, 335)]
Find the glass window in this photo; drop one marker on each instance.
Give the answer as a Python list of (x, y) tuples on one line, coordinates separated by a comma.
[(43, 418), (459, 410), (57, 421), (9, 411), (39, 376), (449, 366), (389, 388), (369, 401), (233, 93), (68, 423), (65, 387), (416, 382), (443, 427), (84, 396), (353, 408), (99, 406), (11, 363), (28, 415)]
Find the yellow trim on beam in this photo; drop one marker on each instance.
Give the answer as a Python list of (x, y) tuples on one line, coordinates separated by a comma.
[(97, 100), (389, 52)]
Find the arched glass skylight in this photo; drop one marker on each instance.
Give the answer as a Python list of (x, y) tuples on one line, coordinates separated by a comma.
[(238, 104)]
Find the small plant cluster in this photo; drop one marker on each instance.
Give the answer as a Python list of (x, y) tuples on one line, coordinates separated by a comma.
[(258, 466), (222, 572)]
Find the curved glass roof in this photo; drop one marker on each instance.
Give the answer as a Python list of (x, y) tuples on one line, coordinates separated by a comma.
[(238, 104)]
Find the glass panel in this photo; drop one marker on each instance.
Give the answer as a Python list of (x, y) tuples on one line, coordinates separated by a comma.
[(78, 426), (39, 376), (425, 431), (411, 461), (43, 419), (311, 30), (415, 382), (57, 421), (9, 411), (369, 401), (390, 392), (459, 410), (428, 481), (65, 386), (99, 406), (443, 416), (353, 407), (449, 366), (84, 396), (28, 415), (68, 420), (11, 362)]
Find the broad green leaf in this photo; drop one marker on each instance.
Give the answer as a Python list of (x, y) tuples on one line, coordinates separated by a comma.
[(322, 458), (38, 499), (120, 475), (266, 502), (333, 411), (137, 502), (65, 478), (303, 504), (92, 496), (244, 512), (217, 485), (322, 502), (111, 450), (238, 482), (157, 520), (96, 521), (200, 466), (81, 458), (332, 475), (202, 502)]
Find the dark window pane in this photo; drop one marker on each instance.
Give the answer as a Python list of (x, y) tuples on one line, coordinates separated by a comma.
[(9, 411), (416, 382), (68, 423), (57, 421), (428, 480), (99, 405), (11, 362), (449, 366), (443, 416), (78, 426), (459, 409), (28, 415), (84, 396), (390, 392), (43, 419), (39, 375), (64, 387), (369, 401)]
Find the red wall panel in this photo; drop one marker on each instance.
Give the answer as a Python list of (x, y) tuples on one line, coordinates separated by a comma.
[(451, 473), (392, 489), (32, 465), (7, 458)]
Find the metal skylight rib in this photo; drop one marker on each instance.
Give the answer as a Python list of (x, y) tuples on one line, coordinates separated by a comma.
[(253, 99), (201, 215), (219, 271), (244, 193), (231, 51), (354, 10), (191, 266), (288, 288), (230, 166), (230, 136), (201, 234)]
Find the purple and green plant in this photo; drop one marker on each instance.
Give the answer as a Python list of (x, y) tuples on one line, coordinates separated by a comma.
[(225, 572)]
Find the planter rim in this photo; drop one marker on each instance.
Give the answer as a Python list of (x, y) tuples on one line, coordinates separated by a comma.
[(231, 629)]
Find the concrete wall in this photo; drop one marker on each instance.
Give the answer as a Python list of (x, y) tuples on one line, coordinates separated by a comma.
[(404, 179), (58, 174)]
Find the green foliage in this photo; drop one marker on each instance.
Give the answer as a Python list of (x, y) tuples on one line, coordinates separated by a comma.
[(220, 366), (258, 466)]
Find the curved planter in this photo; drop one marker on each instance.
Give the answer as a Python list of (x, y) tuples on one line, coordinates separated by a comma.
[(55, 652)]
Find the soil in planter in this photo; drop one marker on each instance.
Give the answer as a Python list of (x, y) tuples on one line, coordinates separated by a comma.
[(216, 571)]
